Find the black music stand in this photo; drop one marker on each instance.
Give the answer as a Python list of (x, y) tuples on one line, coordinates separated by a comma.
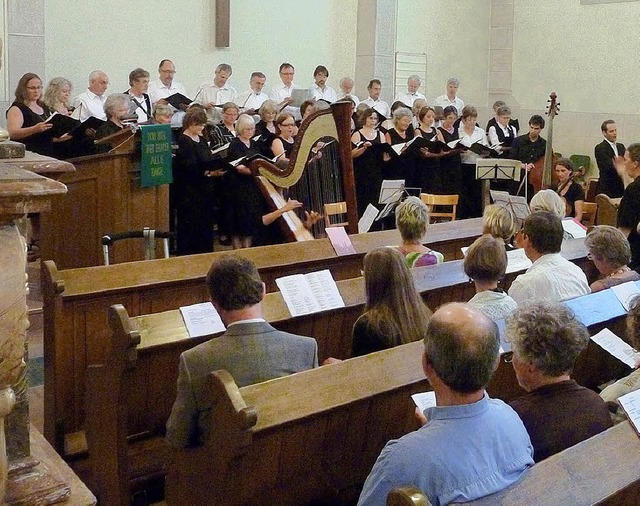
[(515, 203), (493, 169)]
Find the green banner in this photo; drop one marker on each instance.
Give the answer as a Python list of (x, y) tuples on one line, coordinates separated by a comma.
[(155, 146)]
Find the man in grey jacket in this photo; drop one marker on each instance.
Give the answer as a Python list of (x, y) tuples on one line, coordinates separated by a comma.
[(251, 350)]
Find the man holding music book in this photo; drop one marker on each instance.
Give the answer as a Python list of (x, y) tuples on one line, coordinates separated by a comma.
[(251, 350)]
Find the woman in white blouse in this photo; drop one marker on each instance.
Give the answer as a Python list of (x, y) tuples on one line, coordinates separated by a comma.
[(470, 133)]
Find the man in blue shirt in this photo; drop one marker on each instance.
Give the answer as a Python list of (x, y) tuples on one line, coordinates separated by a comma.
[(469, 445)]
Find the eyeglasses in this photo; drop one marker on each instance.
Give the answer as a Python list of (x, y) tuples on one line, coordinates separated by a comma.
[(34, 87), (167, 71), (287, 124), (508, 357)]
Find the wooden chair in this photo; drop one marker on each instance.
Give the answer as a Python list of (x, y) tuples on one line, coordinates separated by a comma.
[(335, 209), (440, 200), (607, 210), (592, 189), (589, 210)]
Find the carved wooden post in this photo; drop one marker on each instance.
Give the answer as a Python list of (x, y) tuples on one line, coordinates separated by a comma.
[(21, 192)]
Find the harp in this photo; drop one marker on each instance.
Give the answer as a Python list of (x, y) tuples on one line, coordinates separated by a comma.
[(311, 180)]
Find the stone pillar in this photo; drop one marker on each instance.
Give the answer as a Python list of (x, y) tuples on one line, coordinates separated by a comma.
[(21, 192), (501, 54), (376, 46)]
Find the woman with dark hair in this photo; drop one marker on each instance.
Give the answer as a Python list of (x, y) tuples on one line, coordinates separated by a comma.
[(26, 118), (282, 145), (429, 168), (395, 313), (193, 165), (450, 165), (568, 189), (367, 160)]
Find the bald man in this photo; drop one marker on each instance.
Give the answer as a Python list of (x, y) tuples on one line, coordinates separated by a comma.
[(469, 445)]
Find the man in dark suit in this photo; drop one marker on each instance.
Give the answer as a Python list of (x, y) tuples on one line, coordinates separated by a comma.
[(251, 350), (610, 181)]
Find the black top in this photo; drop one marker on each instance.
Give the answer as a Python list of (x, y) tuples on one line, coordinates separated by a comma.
[(561, 415), (192, 160), (42, 142), (107, 129), (574, 192), (609, 182), (629, 216), (288, 146), (367, 339), (527, 151), (265, 140), (367, 171), (220, 135)]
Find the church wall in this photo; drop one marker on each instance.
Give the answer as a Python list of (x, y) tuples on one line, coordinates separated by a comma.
[(263, 35)]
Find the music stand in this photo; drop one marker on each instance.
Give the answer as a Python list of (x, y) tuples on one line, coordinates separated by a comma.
[(392, 192), (515, 203), (492, 169)]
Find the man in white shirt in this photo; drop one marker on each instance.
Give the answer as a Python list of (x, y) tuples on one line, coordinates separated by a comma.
[(217, 93), (412, 93), (551, 277), (451, 97), (282, 92), (254, 97), (91, 102), (373, 100), (320, 90), (346, 90), (166, 86)]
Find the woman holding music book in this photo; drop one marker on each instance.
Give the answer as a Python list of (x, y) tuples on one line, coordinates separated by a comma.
[(451, 168), (430, 171), (27, 116), (395, 313), (194, 168), (629, 383), (403, 163), (57, 95), (225, 131), (367, 160), (568, 189), (469, 133), (412, 219)]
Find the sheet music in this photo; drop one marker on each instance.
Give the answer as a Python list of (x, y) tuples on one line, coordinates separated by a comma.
[(390, 190), (517, 261), (617, 347), (464, 250), (575, 229), (298, 95), (202, 319), (424, 400), (626, 292), (340, 241), (631, 405), (309, 293), (364, 224)]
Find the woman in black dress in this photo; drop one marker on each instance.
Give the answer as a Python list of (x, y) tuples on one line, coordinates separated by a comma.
[(367, 160), (26, 118), (450, 165), (429, 168), (266, 127), (403, 164), (282, 145), (568, 189), (193, 165)]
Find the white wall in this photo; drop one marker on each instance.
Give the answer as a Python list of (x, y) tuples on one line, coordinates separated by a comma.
[(119, 35), (456, 37)]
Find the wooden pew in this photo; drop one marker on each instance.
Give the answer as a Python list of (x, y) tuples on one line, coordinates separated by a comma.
[(76, 330), (602, 470)]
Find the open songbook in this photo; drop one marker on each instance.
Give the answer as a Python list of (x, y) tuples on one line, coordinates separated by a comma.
[(67, 125), (221, 151), (631, 405), (611, 343), (310, 293), (244, 160), (478, 148), (201, 319), (178, 99)]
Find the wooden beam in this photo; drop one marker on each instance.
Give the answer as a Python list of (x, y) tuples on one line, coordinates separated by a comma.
[(223, 21)]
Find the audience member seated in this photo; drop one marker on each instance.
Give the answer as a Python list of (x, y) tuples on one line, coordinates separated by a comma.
[(629, 383), (394, 312), (26, 118), (610, 252), (549, 200), (91, 101), (140, 100), (546, 339), (56, 96), (568, 189), (193, 166), (412, 218), (469, 445), (629, 211), (320, 90), (251, 350), (551, 277), (116, 106), (500, 223), (486, 263)]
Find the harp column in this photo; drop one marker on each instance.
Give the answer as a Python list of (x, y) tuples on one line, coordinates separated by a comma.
[(376, 46)]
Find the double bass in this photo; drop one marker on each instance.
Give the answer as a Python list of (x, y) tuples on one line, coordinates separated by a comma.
[(541, 175)]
